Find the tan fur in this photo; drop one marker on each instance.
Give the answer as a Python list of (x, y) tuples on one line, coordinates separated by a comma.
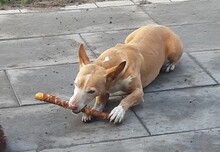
[(133, 65)]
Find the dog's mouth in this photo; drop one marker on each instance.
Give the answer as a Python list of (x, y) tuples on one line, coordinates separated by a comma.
[(77, 111)]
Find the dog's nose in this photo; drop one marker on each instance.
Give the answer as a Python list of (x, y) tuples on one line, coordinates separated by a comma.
[(73, 106)]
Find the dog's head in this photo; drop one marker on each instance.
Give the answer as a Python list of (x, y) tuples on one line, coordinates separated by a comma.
[(91, 81)]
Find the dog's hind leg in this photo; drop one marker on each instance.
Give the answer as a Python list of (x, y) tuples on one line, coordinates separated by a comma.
[(174, 52), (168, 67)]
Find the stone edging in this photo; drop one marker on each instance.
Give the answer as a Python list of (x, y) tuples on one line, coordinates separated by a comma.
[(94, 5)]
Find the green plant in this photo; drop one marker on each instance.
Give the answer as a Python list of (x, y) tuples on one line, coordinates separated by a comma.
[(24, 1), (4, 1)]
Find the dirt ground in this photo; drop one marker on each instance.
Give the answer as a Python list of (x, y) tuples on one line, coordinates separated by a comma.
[(43, 3)]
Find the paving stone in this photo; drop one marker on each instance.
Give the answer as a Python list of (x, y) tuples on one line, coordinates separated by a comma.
[(74, 21), (196, 37), (180, 110), (24, 10), (176, 14), (48, 126), (210, 61), (142, 2), (82, 6), (201, 141), (186, 74), (179, 0), (2, 12), (101, 41), (114, 3), (57, 80), (40, 51), (7, 98)]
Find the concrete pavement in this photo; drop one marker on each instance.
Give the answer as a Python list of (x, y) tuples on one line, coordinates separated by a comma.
[(39, 53)]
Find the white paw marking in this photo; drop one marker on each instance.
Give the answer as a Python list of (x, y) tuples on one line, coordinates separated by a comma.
[(86, 118), (168, 67), (117, 114)]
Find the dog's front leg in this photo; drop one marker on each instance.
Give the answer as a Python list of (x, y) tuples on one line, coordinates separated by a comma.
[(117, 114), (99, 105)]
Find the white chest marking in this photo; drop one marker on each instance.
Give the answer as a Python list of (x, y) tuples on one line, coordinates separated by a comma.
[(121, 84), (106, 59)]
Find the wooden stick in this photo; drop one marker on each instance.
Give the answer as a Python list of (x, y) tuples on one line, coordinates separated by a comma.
[(57, 101)]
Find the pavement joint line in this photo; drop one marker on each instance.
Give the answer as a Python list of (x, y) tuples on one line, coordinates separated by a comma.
[(130, 138), (37, 37), (140, 6), (96, 5), (96, 56), (133, 2), (64, 34), (39, 66), (43, 103), (184, 131), (206, 50), (142, 123), (93, 32), (191, 87), (190, 24), (148, 92), (13, 89), (25, 105), (201, 66)]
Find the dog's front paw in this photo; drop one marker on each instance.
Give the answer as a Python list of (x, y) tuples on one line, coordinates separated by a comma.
[(86, 118), (117, 114)]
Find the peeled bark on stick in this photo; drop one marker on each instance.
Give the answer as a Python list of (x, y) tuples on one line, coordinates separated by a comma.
[(57, 101)]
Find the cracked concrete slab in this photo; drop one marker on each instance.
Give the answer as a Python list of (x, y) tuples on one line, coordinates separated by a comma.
[(7, 98), (186, 74), (48, 126), (187, 142), (74, 21), (210, 61), (188, 12), (40, 51), (180, 110)]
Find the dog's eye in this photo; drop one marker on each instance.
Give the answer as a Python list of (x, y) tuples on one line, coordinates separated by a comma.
[(91, 91)]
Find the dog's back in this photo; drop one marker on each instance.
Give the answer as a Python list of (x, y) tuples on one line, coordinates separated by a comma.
[(156, 43)]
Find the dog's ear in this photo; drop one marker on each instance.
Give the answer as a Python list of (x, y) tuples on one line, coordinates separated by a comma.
[(113, 72), (83, 58)]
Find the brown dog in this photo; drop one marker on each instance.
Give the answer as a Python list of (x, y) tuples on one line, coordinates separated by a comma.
[(126, 67)]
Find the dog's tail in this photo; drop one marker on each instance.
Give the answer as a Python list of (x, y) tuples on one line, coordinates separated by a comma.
[(2, 140)]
